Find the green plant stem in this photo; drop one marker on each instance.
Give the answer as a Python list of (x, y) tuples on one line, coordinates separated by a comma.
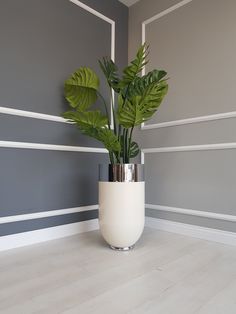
[(113, 112), (105, 105), (124, 150), (111, 157), (130, 140), (127, 146)]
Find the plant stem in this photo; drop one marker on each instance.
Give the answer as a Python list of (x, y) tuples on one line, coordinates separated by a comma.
[(107, 113), (111, 157), (126, 146), (130, 140), (113, 111)]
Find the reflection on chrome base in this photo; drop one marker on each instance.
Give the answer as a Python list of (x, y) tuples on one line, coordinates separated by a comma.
[(124, 249)]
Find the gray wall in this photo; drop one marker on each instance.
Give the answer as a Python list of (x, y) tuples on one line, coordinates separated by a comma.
[(42, 42), (195, 44)]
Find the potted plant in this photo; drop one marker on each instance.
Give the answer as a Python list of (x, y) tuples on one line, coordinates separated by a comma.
[(121, 183)]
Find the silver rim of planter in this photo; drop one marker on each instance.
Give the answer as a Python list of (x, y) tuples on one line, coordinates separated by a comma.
[(121, 172)]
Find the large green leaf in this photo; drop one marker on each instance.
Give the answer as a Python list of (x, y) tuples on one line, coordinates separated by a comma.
[(109, 140), (90, 118), (110, 69), (94, 124), (136, 66), (141, 108), (139, 84), (81, 88)]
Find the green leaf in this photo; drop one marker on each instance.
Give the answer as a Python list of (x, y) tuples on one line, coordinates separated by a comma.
[(81, 88), (134, 150), (141, 108), (90, 118), (109, 140), (110, 69), (136, 66), (94, 124), (138, 86)]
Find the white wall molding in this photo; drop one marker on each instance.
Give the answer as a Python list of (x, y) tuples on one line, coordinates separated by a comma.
[(31, 114), (191, 212), (40, 146), (38, 236), (165, 12), (189, 148), (185, 121), (208, 118), (44, 214), (204, 233)]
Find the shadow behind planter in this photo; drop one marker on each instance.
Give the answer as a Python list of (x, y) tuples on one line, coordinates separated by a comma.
[(121, 204)]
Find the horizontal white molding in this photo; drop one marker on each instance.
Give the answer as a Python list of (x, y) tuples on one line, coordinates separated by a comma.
[(66, 148), (167, 11), (212, 117), (31, 114), (199, 232), (44, 214), (189, 148), (192, 212), (38, 236)]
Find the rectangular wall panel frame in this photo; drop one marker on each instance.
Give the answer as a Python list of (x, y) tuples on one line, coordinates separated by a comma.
[(199, 119)]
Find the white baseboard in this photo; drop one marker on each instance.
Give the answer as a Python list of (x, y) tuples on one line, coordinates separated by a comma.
[(208, 234), (43, 235)]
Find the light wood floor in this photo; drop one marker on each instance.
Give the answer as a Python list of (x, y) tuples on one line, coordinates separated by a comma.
[(165, 274)]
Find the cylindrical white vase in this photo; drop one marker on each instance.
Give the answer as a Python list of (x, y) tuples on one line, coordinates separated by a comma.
[(121, 204)]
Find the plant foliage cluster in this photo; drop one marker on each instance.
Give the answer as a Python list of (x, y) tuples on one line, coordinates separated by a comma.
[(138, 99)]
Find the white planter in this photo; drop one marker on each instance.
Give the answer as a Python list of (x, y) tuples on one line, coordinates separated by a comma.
[(121, 207)]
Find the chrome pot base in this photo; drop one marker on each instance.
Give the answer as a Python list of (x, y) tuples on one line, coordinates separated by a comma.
[(123, 249)]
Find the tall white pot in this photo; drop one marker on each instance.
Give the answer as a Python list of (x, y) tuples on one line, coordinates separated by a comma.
[(121, 204)]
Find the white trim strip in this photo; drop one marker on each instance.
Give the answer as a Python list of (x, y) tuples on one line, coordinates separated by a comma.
[(31, 114), (91, 10), (66, 148), (204, 233), (192, 212), (43, 235), (213, 117), (190, 148), (50, 213), (167, 11)]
